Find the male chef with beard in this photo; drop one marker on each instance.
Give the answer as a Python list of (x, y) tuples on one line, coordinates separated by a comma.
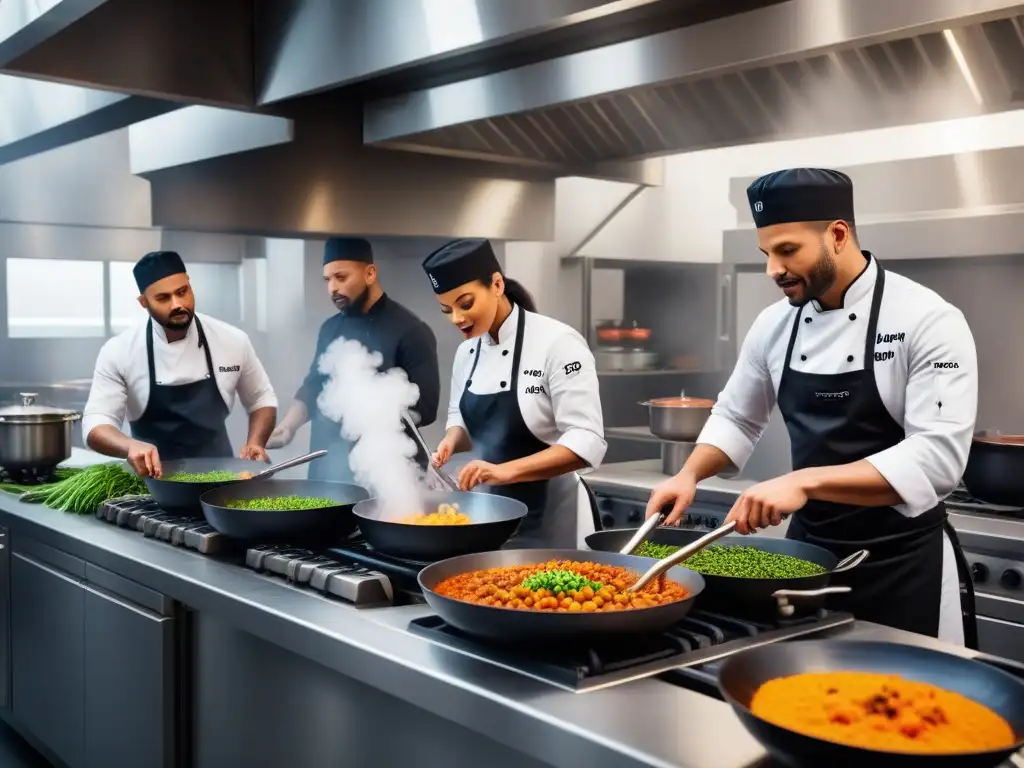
[(876, 378), (368, 315), (175, 377)]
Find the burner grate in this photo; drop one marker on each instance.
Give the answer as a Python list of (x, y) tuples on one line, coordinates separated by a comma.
[(699, 638), (28, 475)]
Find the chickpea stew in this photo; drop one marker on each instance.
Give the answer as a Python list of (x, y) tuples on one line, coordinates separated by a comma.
[(560, 586)]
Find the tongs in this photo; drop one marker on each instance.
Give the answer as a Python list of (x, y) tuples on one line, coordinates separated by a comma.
[(683, 554), (446, 482)]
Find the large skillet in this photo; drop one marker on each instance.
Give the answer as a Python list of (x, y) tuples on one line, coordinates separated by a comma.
[(322, 526), (506, 625), (748, 598), (493, 521), (995, 468), (745, 672)]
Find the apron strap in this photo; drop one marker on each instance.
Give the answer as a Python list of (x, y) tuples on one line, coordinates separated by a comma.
[(876, 306), (517, 352), (792, 338), (206, 349)]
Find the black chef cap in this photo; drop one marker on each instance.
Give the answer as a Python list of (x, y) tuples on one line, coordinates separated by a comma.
[(156, 266), (801, 194), (348, 249), (460, 262)]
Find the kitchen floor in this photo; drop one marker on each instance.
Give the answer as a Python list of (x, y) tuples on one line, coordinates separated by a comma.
[(16, 753)]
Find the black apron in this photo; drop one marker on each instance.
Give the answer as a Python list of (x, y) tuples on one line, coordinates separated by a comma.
[(839, 419), (495, 425), (184, 421)]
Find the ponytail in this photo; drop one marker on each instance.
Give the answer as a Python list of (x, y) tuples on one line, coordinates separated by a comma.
[(518, 295)]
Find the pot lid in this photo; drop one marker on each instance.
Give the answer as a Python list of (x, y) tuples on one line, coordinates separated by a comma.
[(28, 411)]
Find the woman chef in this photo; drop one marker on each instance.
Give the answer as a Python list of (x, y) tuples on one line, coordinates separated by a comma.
[(524, 394), (876, 378)]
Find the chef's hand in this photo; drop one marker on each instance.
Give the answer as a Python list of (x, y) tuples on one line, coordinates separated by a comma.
[(280, 437), (444, 452), (144, 459), (477, 472), (676, 492), (767, 503), (253, 452)]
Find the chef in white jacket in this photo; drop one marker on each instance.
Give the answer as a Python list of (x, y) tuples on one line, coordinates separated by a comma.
[(876, 377), (175, 378), (524, 394)]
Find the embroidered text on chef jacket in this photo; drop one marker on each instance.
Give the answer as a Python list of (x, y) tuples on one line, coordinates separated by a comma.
[(557, 387), (120, 384), (925, 367)]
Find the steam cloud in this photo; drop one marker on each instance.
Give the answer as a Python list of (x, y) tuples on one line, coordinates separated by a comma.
[(369, 404)]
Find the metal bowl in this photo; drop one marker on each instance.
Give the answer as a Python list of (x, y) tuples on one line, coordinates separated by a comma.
[(678, 419)]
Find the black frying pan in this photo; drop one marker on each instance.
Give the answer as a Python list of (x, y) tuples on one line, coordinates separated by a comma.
[(745, 672), (494, 520), (324, 525), (505, 625), (733, 596), (995, 468), (183, 498)]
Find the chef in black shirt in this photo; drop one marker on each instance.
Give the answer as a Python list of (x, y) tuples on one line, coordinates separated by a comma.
[(367, 315)]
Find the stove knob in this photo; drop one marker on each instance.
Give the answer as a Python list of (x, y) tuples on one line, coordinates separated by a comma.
[(635, 516), (1011, 578), (979, 573)]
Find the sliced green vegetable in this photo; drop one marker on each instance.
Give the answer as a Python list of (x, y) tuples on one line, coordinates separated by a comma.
[(283, 503), (741, 562), (213, 476), (559, 581), (86, 489)]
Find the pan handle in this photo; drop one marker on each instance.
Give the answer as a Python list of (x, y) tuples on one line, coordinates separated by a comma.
[(851, 562), (642, 533), (683, 554), (783, 596), (270, 471)]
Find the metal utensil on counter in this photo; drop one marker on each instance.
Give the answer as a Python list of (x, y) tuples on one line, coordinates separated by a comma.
[(447, 482), (297, 461), (676, 558), (642, 533)]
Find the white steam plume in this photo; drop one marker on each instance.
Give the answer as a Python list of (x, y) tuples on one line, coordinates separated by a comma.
[(369, 404)]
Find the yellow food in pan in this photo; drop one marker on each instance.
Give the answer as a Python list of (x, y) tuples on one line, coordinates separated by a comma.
[(446, 514)]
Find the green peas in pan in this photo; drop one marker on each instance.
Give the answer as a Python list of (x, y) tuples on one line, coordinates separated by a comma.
[(739, 562)]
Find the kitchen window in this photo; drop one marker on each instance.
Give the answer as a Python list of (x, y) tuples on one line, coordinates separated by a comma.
[(54, 298)]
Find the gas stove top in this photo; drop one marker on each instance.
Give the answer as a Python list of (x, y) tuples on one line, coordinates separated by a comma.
[(961, 500), (698, 639), (141, 513), (27, 475)]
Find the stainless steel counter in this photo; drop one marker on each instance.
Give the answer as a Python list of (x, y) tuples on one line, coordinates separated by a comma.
[(372, 645)]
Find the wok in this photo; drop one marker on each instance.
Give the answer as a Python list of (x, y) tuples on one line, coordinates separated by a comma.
[(494, 520), (183, 498), (744, 597), (505, 625), (995, 468), (174, 496), (324, 525), (745, 672)]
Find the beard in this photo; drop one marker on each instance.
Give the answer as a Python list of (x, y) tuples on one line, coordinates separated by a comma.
[(818, 281), (178, 320), (353, 306)]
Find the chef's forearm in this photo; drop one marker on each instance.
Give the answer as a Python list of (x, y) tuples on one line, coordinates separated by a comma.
[(858, 483), (109, 441), (459, 439), (705, 461), (551, 462), (297, 415), (261, 424)]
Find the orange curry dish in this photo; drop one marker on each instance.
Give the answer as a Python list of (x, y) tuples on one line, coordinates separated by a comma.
[(560, 586), (881, 712)]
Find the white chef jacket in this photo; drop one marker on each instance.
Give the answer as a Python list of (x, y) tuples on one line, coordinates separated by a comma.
[(926, 370), (120, 382), (557, 388)]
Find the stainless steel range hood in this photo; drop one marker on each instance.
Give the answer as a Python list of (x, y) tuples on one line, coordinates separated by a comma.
[(798, 68)]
